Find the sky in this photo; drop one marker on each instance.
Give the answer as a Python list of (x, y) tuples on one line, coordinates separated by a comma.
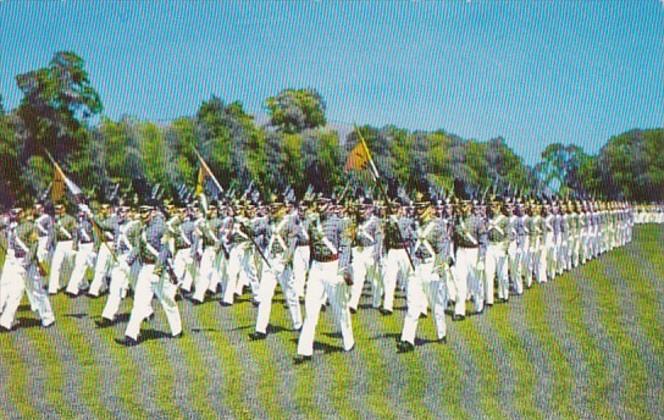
[(533, 72)]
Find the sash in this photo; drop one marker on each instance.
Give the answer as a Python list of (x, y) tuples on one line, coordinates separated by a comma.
[(326, 241)]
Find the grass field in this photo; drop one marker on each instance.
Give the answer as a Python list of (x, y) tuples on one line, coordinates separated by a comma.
[(589, 344)]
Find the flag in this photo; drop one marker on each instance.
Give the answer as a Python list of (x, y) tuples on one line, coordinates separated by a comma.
[(204, 176), (61, 183), (360, 157)]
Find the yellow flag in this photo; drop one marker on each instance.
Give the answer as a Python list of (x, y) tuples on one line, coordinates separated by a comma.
[(357, 158), (58, 188), (360, 157), (202, 176)]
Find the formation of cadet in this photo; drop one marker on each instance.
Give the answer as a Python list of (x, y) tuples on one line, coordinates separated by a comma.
[(444, 253)]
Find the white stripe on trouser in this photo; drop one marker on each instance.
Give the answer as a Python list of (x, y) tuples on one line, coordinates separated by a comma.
[(42, 250), (325, 282), (63, 250), (117, 290), (496, 267), (270, 277), (84, 258), (14, 280), (102, 268), (363, 267), (300, 265), (425, 287), (396, 261), (207, 274), (148, 286), (464, 274)]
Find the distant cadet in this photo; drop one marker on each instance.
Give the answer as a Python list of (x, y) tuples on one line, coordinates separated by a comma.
[(66, 234)]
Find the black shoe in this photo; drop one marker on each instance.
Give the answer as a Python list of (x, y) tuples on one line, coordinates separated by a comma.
[(71, 295), (255, 303), (442, 340), (225, 304), (256, 335), (150, 318), (404, 347), (352, 310), (103, 323), (4, 330), (196, 302), (423, 315), (126, 341), (49, 325), (178, 335), (301, 359), (456, 317), (488, 305), (385, 312), (323, 308), (350, 349)]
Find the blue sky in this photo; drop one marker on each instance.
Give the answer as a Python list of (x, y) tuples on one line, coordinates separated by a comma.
[(532, 72)]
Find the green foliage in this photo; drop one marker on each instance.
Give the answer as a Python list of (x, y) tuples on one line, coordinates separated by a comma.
[(294, 110), (297, 150)]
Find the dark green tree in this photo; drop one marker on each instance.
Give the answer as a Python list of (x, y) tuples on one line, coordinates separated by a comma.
[(294, 110)]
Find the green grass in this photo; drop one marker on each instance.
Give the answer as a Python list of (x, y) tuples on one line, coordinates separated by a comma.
[(268, 365)]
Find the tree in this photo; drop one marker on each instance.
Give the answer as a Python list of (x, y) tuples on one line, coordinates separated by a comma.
[(11, 187), (57, 104), (294, 110)]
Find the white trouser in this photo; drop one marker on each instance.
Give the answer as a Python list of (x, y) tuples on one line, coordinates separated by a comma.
[(182, 267), (270, 276), (363, 266), (516, 268), (84, 259), (252, 266), (63, 250), (102, 268), (42, 250), (207, 274), (300, 266), (527, 261), (496, 267), (425, 287), (465, 272), (233, 267), (325, 282), (396, 261), (15, 280), (117, 290), (149, 285)]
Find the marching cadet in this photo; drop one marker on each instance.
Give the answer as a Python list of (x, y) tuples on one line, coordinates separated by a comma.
[(126, 238), (207, 255), (66, 232), (84, 254), (467, 229), (282, 237), (365, 253), (575, 234), (232, 250), (302, 252), (496, 263), (521, 231), (399, 234), (23, 272), (108, 226), (186, 241), (428, 284), (533, 236), (540, 249), (512, 254), (156, 278), (329, 278), (46, 230)]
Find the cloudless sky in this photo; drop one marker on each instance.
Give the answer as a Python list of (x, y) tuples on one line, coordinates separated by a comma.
[(533, 72)]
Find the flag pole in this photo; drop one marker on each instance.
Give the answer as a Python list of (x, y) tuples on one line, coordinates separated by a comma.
[(375, 176), (95, 225)]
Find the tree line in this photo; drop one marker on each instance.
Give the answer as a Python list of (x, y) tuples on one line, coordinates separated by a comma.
[(62, 113)]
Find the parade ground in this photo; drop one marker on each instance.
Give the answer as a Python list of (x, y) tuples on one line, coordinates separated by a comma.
[(588, 344)]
